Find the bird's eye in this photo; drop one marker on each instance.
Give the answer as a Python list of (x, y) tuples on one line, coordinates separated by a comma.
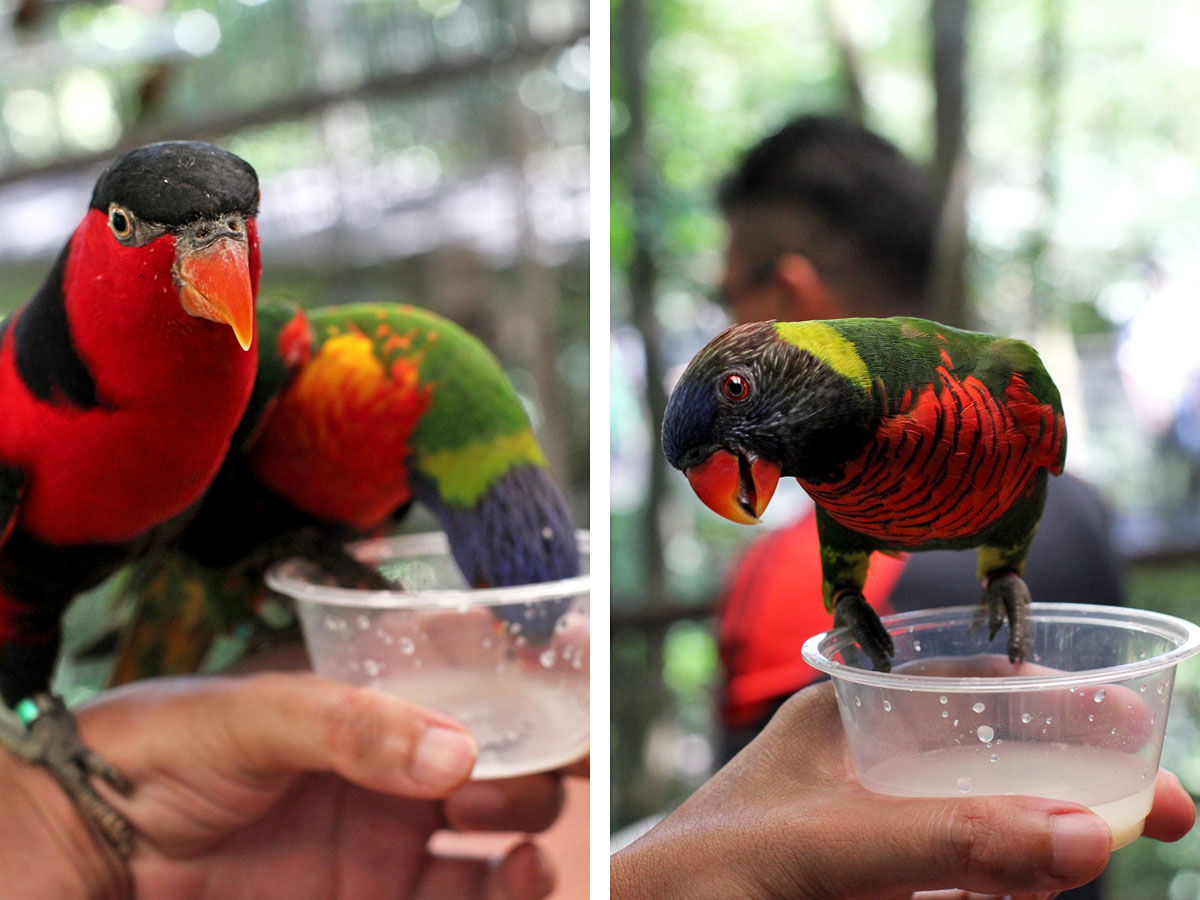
[(120, 223), (234, 225), (736, 388)]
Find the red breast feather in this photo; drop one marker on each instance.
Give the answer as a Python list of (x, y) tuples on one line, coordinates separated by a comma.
[(946, 466), (170, 389)]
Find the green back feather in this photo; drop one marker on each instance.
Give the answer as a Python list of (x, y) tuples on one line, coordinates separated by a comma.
[(904, 352)]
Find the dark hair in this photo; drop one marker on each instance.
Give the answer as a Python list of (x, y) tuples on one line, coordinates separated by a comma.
[(851, 195)]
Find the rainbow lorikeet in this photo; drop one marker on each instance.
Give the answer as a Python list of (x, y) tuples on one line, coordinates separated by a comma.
[(358, 411), (907, 434), (121, 383)]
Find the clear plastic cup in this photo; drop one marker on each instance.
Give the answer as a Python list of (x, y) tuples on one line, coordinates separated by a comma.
[(1081, 720), (511, 663)]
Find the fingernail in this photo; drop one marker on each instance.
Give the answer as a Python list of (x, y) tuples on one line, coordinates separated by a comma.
[(443, 758), (1080, 845)]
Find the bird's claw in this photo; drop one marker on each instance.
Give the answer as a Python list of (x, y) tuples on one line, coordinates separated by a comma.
[(852, 611), (1005, 597), (51, 740)]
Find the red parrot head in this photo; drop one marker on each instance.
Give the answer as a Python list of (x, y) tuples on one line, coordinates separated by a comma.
[(185, 206)]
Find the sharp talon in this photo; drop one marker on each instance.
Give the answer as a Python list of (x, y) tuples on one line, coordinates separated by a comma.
[(1006, 597), (852, 611), (50, 740)]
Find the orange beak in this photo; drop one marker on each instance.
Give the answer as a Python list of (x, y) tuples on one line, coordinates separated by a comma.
[(733, 486), (216, 286)]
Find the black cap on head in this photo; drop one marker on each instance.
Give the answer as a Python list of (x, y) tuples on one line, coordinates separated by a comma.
[(177, 182)]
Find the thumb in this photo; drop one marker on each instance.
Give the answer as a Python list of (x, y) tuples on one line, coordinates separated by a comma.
[(300, 722), (992, 845), (269, 726)]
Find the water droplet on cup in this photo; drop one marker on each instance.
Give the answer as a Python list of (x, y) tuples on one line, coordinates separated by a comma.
[(1091, 718), (887, 706), (858, 701), (372, 668), (547, 658), (978, 707), (1099, 695), (363, 621), (942, 700), (916, 646), (1026, 718), (985, 733), (964, 783), (945, 713), (994, 757), (407, 646)]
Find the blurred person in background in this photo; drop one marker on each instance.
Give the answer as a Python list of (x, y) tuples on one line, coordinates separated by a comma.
[(828, 220)]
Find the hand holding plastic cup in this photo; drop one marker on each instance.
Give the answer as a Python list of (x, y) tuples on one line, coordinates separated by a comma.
[(511, 663), (1082, 720)]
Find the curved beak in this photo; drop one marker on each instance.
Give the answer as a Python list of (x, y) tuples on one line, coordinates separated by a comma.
[(734, 486), (216, 286)]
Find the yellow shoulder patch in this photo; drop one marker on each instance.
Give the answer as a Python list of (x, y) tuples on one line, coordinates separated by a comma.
[(823, 341), (464, 473)]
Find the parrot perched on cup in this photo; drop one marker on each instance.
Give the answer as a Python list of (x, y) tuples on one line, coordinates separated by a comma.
[(358, 411), (121, 383), (907, 434)]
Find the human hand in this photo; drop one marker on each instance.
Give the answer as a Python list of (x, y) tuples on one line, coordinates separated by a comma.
[(279, 785), (786, 818)]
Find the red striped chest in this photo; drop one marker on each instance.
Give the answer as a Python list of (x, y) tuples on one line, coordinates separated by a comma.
[(947, 464)]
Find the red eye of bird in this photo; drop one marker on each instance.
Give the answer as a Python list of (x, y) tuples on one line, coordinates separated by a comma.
[(736, 388)]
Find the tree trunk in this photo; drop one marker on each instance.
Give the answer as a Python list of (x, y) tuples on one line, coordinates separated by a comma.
[(838, 18), (948, 19), (645, 699)]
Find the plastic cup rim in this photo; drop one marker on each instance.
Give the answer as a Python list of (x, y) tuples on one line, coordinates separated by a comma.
[(280, 578), (1167, 626)]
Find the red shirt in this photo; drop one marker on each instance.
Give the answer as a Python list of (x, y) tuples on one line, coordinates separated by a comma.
[(772, 603)]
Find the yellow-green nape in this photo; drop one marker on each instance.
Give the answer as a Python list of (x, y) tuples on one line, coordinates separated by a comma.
[(831, 347), (463, 474)]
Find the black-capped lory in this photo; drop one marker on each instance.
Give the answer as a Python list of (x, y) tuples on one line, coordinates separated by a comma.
[(121, 383), (907, 434), (358, 411)]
